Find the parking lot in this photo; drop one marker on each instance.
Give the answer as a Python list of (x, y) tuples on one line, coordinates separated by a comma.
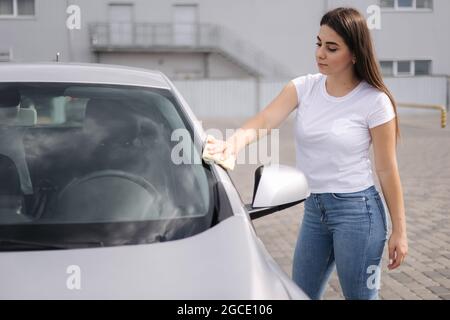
[(424, 164)]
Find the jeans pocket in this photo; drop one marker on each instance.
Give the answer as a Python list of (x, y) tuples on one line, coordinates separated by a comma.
[(382, 212), (355, 196)]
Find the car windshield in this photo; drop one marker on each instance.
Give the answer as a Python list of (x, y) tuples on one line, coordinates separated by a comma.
[(86, 165)]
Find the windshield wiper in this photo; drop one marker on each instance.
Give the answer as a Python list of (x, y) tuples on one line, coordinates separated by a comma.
[(35, 245)]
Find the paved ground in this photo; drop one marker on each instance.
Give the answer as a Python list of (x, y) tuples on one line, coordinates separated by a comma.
[(424, 164)]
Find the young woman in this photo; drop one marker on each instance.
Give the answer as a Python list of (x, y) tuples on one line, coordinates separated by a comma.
[(340, 112)]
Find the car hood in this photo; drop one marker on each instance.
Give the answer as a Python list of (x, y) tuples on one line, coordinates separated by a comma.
[(225, 262)]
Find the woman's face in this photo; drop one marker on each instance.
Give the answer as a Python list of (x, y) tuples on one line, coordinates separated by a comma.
[(332, 55)]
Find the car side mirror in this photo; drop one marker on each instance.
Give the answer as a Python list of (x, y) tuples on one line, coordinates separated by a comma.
[(277, 188)]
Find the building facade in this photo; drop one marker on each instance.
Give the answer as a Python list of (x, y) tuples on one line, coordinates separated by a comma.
[(219, 39)]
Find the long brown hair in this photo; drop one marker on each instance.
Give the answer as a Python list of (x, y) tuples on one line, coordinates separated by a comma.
[(351, 25)]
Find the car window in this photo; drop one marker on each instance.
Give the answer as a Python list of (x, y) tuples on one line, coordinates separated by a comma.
[(95, 164)]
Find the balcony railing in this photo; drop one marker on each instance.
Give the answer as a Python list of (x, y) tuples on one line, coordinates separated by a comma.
[(153, 37)]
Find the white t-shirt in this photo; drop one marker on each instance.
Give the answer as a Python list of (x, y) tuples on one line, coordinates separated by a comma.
[(332, 134)]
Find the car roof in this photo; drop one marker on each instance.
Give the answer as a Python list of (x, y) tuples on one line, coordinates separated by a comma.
[(82, 73)]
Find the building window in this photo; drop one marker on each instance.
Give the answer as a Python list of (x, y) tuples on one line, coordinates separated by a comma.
[(6, 8), (422, 67), (17, 8), (406, 68), (424, 4), (387, 68), (387, 4), (25, 7), (407, 5)]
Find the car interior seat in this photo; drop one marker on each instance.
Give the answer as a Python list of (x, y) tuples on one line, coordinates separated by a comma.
[(11, 133)]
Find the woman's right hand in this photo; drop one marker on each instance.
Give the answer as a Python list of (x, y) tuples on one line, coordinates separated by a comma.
[(223, 148)]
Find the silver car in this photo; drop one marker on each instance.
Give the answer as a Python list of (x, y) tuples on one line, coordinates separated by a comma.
[(103, 193)]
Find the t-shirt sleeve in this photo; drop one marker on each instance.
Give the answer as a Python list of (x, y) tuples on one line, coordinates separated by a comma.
[(304, 84), (381, 112)]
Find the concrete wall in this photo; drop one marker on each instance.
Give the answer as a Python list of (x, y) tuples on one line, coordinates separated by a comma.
[(37, 38), (411, 35), (178, 65), (283, 30), (243, 98)]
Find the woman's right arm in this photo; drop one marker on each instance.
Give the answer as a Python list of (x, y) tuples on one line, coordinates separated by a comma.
[(257, 127)]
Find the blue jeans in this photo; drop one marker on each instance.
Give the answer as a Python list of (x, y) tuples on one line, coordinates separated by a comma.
[(343, 230)]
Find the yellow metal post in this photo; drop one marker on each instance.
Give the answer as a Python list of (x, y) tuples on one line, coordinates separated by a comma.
[(442, 109)]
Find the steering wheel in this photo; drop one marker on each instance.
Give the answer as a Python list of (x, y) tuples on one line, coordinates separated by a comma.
[(112, 174), (106, 193)]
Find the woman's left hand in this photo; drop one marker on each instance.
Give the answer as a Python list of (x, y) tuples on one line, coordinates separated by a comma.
[(398, 249)]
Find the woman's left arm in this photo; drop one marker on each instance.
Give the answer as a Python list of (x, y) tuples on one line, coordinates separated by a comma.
[(384, 147)]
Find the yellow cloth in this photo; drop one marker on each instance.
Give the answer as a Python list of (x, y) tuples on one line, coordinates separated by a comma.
[(228, 163)]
